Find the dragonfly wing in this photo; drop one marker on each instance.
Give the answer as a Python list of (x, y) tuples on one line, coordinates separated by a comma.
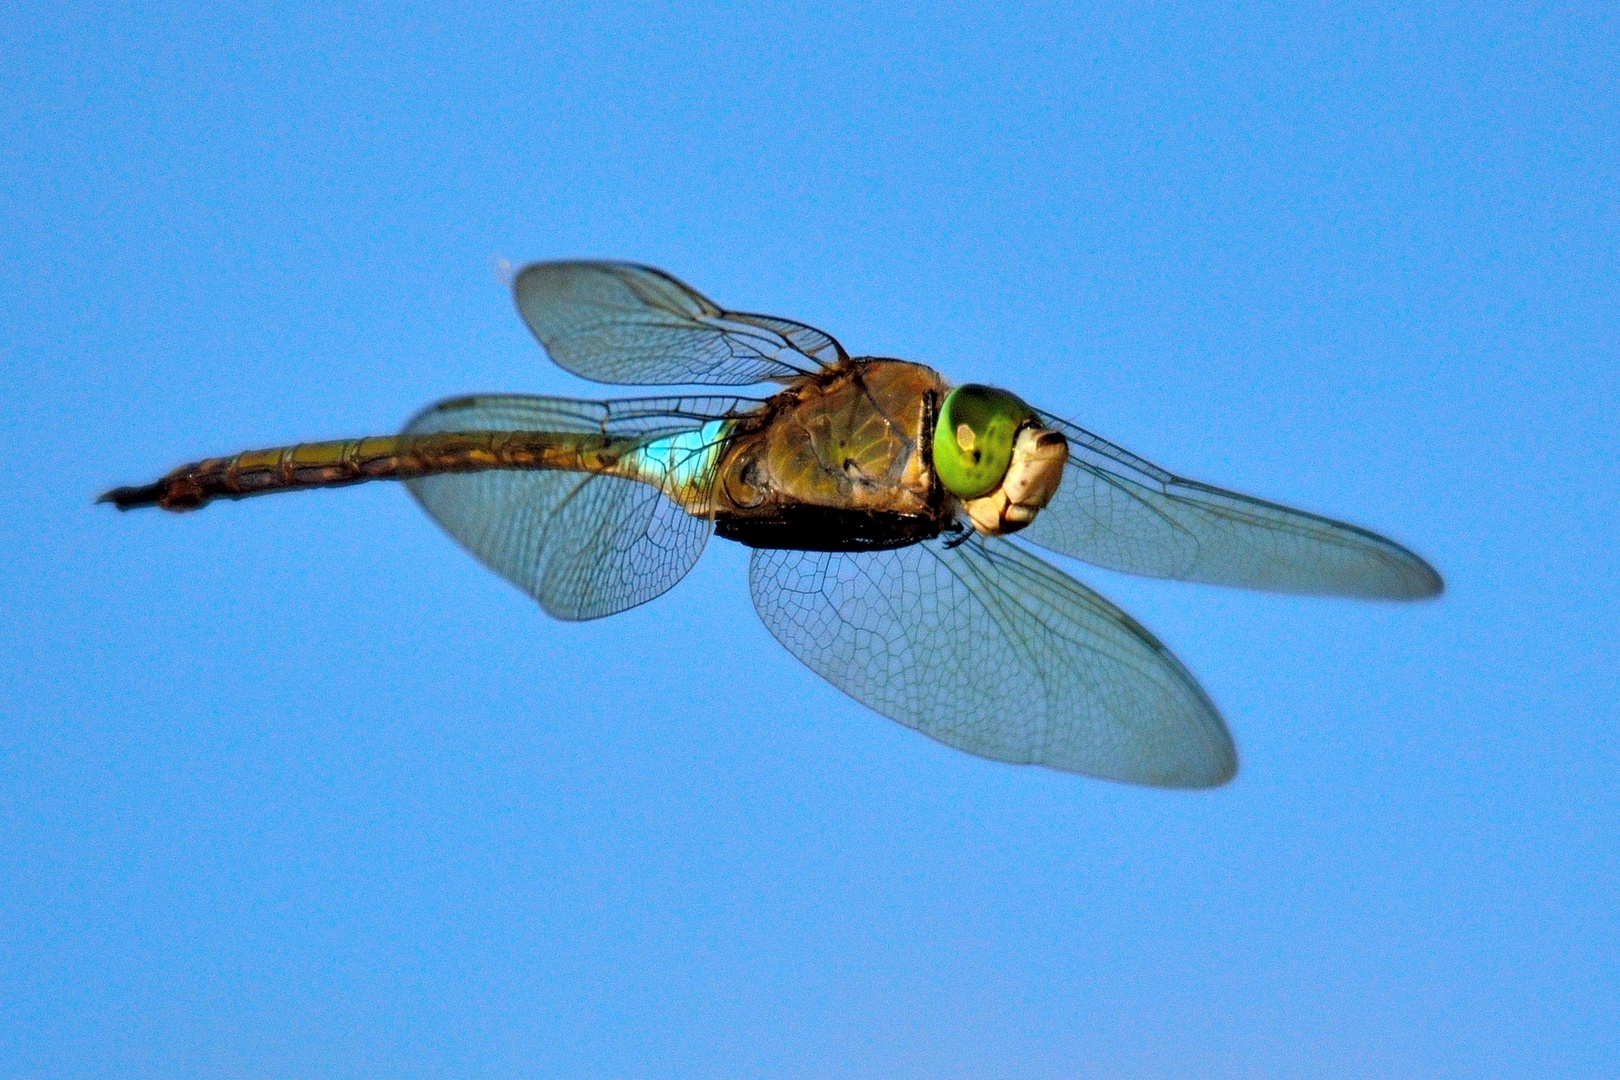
[(622, 323), (1120, 512), (583, 544), (990, 649)]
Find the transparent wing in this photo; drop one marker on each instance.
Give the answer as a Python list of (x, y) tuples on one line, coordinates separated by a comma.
[(622, 323), (1117, 511), (989, 649), (583, 544)]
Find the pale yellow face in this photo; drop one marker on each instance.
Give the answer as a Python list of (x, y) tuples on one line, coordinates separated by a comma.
[(1032, 478)]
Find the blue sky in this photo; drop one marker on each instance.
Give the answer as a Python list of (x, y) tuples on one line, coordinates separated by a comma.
[(293, 787)]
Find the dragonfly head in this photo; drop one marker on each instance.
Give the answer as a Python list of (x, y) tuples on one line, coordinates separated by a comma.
[(991, 452)]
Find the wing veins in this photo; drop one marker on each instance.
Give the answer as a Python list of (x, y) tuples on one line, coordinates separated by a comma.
[(1121, 512)]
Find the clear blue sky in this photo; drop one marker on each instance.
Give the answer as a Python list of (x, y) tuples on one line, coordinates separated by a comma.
[(294, 788)]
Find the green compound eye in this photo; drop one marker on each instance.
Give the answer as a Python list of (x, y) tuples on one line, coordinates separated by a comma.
[(973, 438)]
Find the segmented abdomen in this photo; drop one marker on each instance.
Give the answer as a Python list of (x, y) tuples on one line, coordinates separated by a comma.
[(386, 457)]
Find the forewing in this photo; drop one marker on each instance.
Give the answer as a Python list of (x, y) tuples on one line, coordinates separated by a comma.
[(1120, 512), (989, 649), (584, 545), (622, 323)]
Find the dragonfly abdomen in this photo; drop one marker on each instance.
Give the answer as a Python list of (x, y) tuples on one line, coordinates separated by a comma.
[(355, 461)]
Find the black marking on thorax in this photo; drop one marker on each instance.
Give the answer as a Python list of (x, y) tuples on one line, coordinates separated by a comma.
[(803, 527)]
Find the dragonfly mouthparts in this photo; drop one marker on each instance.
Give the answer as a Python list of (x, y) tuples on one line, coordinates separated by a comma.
[(1039, 455)]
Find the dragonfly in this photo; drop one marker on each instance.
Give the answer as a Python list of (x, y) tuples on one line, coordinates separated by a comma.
[(894, 521)]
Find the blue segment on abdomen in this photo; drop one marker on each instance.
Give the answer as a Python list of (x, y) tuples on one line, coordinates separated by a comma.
[(684, 459)]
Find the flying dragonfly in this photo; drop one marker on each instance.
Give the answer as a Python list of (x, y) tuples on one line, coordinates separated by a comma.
[(878, 500)]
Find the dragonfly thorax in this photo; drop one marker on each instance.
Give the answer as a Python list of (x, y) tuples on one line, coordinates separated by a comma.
[(839, 460)]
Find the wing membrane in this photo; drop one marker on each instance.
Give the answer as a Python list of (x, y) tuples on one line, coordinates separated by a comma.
[(622, 323), (1120, 512), (583, 544), (989, 649)]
